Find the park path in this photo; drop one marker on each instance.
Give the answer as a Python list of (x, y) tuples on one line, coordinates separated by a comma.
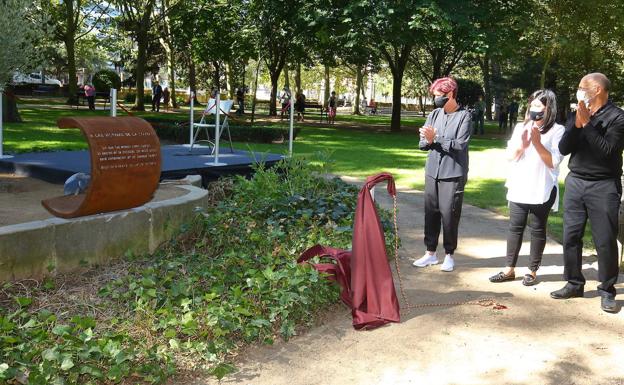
[(537, 340)]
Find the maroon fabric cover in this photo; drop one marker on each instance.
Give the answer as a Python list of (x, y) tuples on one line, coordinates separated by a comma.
[(374, 298), (339, 272), (364, 274)]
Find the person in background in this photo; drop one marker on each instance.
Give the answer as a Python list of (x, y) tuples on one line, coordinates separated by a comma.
[(285, 101), (513, 114), (240, 101), (89, 91), (372, 106), (594, 138), (445, 136), (300, 106), (166, 98), (157, 93), (479, 110), (532, 186), (331, 112), (502, 117)]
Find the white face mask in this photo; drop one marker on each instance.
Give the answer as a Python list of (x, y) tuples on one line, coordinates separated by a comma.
[(582, 95)]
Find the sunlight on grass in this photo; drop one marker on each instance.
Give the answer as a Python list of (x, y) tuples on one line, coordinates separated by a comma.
[(354, 152)]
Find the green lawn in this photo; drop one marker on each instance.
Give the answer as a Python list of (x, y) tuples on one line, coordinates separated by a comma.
[(346, 151)]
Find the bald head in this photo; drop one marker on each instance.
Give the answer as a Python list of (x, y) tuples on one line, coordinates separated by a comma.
[(598, 79)]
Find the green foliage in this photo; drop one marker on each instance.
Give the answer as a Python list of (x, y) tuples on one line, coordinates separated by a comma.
[(130, 98), (104, 80), (231, 278), (468, 92)]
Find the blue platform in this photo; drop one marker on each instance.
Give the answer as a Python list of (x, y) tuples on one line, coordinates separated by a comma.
[(177, 162)]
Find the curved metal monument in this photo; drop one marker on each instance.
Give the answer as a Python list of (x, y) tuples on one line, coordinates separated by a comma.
[(125, 166)]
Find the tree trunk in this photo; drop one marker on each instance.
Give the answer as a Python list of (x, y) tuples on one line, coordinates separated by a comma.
[(487, 85), (167, 45), (255, 91), (397, 81), (298, 78), (286, 76), (545, 69), (397, 67), (227, 76), (171, 63), (10, 113), (359, 76), (497, 85), (216, 75), (193, 81), (274, 80), (326, 92), (142, 42), (421, 104), (70, 47)]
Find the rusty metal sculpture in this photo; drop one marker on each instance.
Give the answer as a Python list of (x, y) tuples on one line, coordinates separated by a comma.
[(125, 166)]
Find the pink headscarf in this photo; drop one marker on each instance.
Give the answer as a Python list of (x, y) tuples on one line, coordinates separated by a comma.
[(444, 85)]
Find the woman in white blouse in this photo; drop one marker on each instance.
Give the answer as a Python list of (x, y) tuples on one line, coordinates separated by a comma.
[(532, 187)]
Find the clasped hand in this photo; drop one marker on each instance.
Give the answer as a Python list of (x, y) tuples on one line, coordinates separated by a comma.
[(582, 115), (534, 136), (428, 132)]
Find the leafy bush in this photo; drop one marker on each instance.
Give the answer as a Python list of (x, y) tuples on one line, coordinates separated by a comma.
[(179, 132), (104, 80), (230, 278), (130, 97)]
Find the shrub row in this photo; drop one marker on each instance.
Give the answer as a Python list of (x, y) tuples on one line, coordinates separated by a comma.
[(178, 132)]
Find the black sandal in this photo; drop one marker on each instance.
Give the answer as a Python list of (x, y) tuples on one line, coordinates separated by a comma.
[(502, 277), (529, 280)]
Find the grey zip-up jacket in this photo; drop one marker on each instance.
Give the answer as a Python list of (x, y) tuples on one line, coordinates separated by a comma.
[(448, 154)]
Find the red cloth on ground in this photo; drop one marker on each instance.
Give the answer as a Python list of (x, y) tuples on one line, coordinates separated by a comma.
[(374, 298), (364, 274)]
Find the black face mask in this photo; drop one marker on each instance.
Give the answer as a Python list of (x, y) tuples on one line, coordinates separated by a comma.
[(536, 115), (440, 101)]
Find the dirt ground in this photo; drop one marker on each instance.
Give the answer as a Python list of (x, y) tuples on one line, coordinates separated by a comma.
[(536, 340), (20, 198)]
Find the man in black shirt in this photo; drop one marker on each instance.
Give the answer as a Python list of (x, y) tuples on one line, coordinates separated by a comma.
[(595, 139)]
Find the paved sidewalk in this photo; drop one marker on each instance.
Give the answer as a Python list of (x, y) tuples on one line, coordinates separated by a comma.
[(537, 340)]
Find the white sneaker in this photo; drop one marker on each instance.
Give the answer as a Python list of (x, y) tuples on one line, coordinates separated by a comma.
[(426, 260), (449, 263)]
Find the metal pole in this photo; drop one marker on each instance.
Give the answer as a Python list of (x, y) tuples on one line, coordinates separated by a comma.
[(113, 102), (215, 161), (217, 124), (192, 122), (290, 132)]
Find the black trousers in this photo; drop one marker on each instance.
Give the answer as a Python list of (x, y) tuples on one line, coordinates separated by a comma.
[(156, 102), (91, 101), (443, 204), (519, 213), (600, 202)]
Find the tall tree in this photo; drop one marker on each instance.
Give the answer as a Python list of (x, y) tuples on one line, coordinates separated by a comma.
[(393, 29), (167, 43), (137, 17), (18, 47), (72, 20), (277, 24)]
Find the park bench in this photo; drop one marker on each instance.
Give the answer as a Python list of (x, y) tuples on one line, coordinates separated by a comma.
[(81, 98), (317, 106)]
